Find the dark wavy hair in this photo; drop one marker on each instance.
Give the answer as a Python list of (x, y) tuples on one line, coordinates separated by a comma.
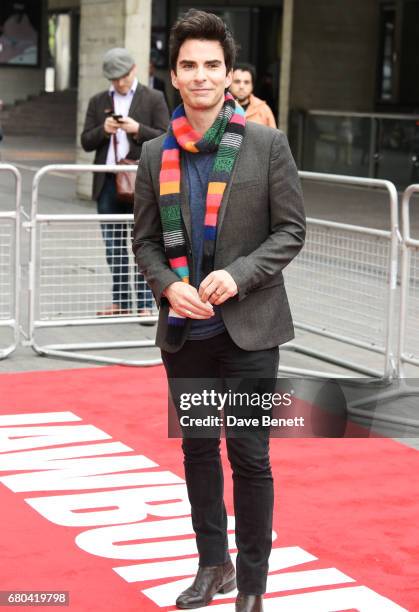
[(247, 68), (200, 25)]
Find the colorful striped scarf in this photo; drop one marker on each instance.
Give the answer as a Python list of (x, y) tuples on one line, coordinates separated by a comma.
[(225, 137)]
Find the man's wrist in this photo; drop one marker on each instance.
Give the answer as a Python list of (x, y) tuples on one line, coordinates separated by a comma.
[(164, 292), (166, 289)]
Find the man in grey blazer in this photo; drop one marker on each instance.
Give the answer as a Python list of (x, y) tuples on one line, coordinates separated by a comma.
[(232, 318), (142, 114)]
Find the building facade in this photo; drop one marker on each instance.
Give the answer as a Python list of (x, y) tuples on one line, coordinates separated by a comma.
[(324, 56)]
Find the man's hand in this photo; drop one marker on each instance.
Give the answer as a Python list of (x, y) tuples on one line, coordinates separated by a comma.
[(185, 301), (217, 287), (111, 125), (129, 125)]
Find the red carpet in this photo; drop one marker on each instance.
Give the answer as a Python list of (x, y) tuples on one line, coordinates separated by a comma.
[(346, 510)]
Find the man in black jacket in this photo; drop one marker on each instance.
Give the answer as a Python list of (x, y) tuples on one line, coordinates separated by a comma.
[(118, 121)]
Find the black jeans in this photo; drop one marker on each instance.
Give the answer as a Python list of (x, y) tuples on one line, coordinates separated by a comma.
[(219, 357), (115, 239)]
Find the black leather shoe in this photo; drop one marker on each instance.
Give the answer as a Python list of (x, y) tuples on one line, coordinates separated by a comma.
[(249, 603), (208, 581)]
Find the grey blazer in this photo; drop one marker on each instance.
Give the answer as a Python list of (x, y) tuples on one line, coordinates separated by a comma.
[(261, 228)]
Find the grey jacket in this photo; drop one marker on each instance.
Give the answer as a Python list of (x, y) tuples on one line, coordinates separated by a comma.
[(261, 228), (148, 107)]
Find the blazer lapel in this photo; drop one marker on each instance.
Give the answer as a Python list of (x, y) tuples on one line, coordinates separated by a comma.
[(136, 100), (107, 103), (226, 195)]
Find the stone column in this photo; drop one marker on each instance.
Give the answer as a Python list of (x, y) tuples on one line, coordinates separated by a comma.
[(138, 34), (105, 24), (286, 57)]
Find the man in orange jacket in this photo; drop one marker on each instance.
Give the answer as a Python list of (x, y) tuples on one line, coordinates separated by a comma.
[(242, 87)]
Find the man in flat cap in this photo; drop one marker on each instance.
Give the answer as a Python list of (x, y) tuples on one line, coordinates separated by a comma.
[(118, 121)]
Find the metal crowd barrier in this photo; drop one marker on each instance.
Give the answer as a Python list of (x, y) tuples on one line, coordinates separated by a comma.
[(70, 282), (408, 331), (409, 306), (10, 264), (343, 284)]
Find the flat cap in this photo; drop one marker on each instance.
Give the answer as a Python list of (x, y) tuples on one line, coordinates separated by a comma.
[(117, 63)]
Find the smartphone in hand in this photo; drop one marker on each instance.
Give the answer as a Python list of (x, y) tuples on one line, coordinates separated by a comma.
[(109, 113)]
